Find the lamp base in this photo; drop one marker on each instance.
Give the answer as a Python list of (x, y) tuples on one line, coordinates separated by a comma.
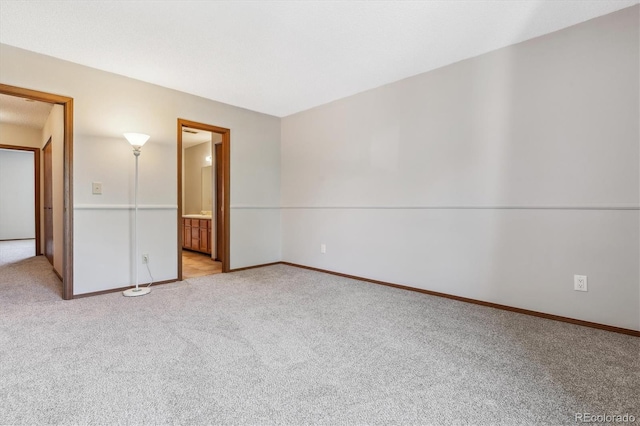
[(140, 291)]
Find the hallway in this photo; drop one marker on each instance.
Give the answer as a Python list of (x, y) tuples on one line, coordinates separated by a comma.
[(24, 276)]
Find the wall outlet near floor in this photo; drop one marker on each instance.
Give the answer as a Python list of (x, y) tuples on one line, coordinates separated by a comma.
[(323, 248), (580, 282), (145, 258)]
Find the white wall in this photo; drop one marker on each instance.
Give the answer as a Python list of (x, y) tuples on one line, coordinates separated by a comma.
[(17, 195), (12, 134), (496, 178), (107, 105), (54, 129)]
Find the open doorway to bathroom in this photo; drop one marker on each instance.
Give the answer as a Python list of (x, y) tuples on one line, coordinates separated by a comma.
[(203, 181)]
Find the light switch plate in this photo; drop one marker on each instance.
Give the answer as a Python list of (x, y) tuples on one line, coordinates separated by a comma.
[(96, 188)]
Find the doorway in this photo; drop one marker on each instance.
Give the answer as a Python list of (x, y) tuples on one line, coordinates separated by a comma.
[(66, 178), (198, 224), (35, 152)]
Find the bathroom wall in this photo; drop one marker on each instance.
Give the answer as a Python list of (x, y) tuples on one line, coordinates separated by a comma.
[(194, 161)]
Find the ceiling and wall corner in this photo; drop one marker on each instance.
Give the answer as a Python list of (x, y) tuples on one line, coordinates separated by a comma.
[(279, 57)]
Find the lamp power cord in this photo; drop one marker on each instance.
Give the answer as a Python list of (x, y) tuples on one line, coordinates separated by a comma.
[(151, 276)]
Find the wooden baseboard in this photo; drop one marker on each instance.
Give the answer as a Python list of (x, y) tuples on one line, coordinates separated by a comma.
[(255, 266), (480, 302), (115, 290), (57, 274), (418, 290)]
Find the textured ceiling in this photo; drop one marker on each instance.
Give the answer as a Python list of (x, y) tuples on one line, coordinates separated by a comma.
[(281, 57), (18, 111)]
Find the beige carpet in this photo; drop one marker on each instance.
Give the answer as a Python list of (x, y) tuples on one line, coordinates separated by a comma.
[(282, 345), (25, 277)]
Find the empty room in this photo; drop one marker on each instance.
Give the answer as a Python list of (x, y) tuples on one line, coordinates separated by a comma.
[(319, 212)]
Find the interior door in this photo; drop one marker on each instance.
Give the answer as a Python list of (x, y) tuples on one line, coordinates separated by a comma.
[(48, 202), (220, 254)]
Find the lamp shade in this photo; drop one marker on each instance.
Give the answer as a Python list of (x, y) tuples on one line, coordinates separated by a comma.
[(136, 139)]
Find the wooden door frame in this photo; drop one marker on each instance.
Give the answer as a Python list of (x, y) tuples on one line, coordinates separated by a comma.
[(226, 158), (217, 154), (47, 170), (36, 167), (67, 194)]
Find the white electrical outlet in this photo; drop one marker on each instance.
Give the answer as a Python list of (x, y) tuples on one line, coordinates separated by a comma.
[(580, 282), (145, 258), (96, 188), (323, 248)]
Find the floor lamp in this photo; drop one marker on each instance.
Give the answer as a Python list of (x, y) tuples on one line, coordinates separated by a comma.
[(136, 140)]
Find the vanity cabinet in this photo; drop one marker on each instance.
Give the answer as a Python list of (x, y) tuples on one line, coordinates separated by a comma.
[(196, 235)]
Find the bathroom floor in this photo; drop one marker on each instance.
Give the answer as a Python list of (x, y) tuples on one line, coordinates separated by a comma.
[(196, 264)]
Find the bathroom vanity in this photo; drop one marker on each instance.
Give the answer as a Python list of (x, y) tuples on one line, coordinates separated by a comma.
[(196, 233)]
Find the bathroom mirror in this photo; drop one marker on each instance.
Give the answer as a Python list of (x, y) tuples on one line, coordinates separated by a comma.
[(207, 193)]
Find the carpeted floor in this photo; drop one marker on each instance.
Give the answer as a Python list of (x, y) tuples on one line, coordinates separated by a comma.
[(24, 277), (283, 345)]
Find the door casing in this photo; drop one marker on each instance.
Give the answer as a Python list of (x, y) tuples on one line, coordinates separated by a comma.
[(67, 214), (221, 252), (220, 249), (47, 208)]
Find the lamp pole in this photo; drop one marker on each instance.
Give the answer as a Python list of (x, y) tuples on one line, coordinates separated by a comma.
[(136, 140)]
